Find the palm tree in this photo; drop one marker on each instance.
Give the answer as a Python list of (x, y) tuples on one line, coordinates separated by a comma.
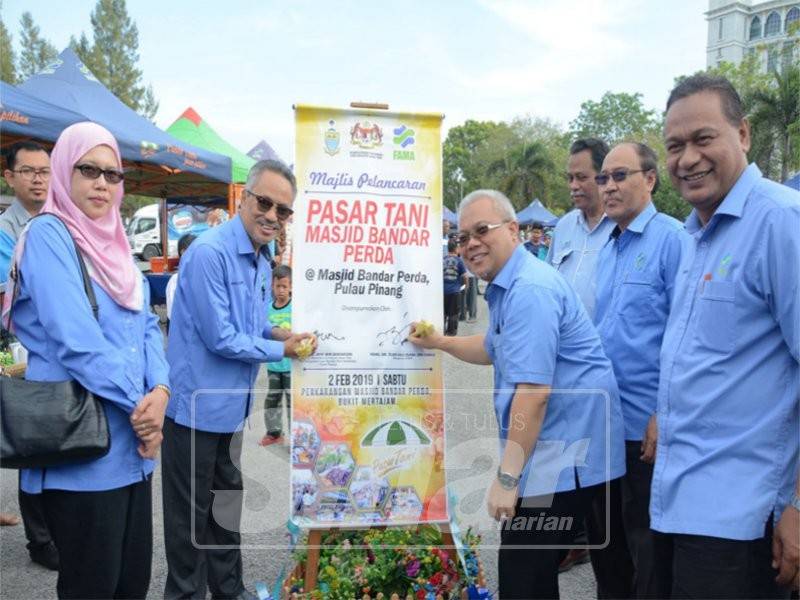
[(777, 110), (521, 170)]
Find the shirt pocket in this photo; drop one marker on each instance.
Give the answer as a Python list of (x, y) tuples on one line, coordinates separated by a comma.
[(716, 314), (637, 294), (561, 257)]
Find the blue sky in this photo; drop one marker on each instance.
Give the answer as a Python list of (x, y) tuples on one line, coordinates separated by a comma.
[(242, 64)]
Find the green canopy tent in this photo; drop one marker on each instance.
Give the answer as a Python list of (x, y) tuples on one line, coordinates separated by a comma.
[(193, 129)]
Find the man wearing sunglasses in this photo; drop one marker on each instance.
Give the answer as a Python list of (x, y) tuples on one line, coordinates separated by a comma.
[(582, 232), (556, 400), (635, 280), (219, 336), (725, 490)]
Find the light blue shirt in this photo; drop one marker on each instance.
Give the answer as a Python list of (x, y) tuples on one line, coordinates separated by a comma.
[(12, 222), (574, 250), (539, 333), (728, 421), (635, 277), (219, 329), (119, 358)]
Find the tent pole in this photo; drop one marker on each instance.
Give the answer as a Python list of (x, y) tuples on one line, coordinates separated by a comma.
[(164, 235)]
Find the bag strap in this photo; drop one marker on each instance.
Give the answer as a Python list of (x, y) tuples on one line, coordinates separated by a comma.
[(87, 283)]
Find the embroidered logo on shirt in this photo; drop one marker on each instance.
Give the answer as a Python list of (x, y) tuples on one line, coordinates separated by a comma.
[(639, 262), (722, 269)]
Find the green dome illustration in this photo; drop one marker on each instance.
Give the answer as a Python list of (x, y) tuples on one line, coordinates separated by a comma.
[(396, 433)]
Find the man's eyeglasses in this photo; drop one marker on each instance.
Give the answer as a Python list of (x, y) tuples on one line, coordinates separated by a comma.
[(265, 205), (29, 173), (92, 172), (463, 237), (618, 175)]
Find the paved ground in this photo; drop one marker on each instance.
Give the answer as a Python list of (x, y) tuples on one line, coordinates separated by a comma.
[(471, 459)]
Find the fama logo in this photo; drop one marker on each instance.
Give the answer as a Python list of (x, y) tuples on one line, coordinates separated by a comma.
[(403, 137)]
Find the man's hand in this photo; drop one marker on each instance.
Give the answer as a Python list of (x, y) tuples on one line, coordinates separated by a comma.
[(280, 334), (786, 548), (291, 344), (149, 449), (431, 341), (649, 442), (148, 416), (502, 503)]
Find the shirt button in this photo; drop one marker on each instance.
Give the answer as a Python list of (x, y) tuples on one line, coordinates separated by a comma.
[(133, 349)]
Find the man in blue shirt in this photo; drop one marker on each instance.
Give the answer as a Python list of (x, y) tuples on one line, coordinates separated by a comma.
[(635, 277), (535, 245), (28, 174), (219, 336), (556, 401), (725, 485), (582, 232)]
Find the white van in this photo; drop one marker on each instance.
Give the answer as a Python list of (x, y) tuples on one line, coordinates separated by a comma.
[(144, 233)]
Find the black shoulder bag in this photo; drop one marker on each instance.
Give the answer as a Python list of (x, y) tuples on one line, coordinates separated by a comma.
[(48, 423)]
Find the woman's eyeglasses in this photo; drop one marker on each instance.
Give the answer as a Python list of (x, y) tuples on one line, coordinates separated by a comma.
[(265, 205), (463, 237), (92, 172)]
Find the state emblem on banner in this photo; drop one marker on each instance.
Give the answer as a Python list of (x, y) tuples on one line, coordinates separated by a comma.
[(332, 139), (366, 135)]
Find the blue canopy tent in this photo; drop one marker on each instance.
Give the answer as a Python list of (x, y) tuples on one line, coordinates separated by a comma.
[(25, 117), (157, 164), (449, 215), (793, 182), (535, 212)]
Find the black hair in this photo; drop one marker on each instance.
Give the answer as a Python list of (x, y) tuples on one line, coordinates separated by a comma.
[(596, 147), (648, 161), (184, 242), (14, 149), (538, 226), (282, 271), (702, 82), (451, 245)]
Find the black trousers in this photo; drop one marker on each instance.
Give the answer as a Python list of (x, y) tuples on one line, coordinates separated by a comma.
[(192, 568), (612, 565), (707, 567), (527, 568), (104, 540), (279, 384), (33, 518), (451, 313)]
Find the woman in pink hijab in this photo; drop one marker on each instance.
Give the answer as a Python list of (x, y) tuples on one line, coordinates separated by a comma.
[(99, 511)]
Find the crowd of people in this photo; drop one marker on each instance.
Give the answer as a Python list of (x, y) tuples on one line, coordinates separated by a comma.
[(646, 376)]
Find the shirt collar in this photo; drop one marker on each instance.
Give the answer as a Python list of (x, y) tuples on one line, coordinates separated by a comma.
[(733, 204), (582, 221), (643, 218), (505, 277), (243, 242), (18, 212)]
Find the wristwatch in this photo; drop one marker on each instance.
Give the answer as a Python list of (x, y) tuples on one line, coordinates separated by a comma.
[(795, 501), (506, 480)]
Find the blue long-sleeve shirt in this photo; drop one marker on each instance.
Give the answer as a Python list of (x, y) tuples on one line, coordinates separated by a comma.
[(729, 394), (219, 330), (635, 280), (540, 333), (119, 356)]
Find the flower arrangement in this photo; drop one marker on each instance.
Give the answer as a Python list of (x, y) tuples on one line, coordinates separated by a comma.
[(396, 563)]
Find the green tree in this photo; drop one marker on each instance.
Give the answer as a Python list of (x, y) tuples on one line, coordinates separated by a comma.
[(522, 172), (8, 72), (462, 167), (615, 118), (35, 51), (113, 56), (776, 110)]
